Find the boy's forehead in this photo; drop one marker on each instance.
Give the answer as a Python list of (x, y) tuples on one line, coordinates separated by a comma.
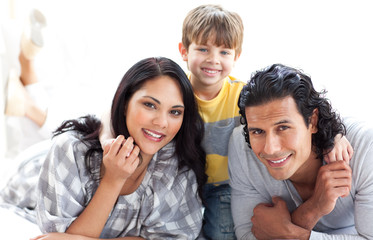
[(210, 41)]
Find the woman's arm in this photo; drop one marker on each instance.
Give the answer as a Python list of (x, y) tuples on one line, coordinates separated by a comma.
[(63, 197), (118, 167), (66, 236)]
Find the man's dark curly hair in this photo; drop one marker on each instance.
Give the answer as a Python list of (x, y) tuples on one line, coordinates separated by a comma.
[(278, 81)]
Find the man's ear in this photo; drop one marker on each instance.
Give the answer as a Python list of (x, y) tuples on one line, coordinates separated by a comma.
[(314, 120), (183, 51)]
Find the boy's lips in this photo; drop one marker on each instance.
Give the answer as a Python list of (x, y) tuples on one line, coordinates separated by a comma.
[(211, 70)]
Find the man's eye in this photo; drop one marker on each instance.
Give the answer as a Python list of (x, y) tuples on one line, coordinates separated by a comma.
[(282, 128), (256, 131)]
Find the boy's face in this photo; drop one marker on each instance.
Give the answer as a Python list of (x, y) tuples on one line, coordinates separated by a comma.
[(209, 64), (280, 138)]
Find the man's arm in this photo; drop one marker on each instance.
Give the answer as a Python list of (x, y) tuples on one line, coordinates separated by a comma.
[(244, 197), (333, 181)]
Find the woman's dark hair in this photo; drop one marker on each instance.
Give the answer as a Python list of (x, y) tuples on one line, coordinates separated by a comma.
[(278, 81), (188, 140)]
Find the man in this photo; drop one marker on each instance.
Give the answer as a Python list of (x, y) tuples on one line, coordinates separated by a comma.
[(282, 187)]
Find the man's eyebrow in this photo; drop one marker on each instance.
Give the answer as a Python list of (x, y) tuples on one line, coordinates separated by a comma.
[(159, 102), (282, 122), (253, 129), (275, 124)]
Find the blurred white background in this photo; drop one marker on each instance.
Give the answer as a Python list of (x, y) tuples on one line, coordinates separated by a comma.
[(89, 45)]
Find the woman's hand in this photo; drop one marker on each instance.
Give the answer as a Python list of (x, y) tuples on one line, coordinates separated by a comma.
[(342, 150), (59, 236), (120, 160)]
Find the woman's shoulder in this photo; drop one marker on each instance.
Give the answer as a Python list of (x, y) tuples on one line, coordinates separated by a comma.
[(69, 150), (167, 175)]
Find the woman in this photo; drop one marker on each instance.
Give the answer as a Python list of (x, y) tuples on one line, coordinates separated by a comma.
[(147, 183)]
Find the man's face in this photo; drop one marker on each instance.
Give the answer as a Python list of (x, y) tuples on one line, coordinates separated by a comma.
[(280, 138)]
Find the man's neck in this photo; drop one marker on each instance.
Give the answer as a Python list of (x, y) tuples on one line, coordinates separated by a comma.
[(304, 179)]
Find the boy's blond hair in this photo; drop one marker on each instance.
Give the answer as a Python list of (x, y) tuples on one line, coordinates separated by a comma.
[(213, 22)]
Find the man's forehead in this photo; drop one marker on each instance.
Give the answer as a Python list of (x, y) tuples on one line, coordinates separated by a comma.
[(272, 112)]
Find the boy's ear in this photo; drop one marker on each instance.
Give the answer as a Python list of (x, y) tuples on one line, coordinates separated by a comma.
[(237, 57), (183, 51)]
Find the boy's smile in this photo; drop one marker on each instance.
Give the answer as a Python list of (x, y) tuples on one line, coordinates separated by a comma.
[(209, 65)]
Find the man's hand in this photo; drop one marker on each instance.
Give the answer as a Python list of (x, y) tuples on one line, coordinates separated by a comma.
[(333, 181), (273, 221)]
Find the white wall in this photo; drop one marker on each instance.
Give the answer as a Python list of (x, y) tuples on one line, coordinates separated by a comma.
[(90, 44)]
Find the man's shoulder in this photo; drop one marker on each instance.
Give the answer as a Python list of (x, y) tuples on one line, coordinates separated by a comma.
[(358, 131), (360, 135)]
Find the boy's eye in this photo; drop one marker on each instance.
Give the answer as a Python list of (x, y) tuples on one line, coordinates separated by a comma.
[(224, 52), (202, 49), (149, 105)]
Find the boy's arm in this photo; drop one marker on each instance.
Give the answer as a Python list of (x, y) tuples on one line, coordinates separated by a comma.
[(342, 150)]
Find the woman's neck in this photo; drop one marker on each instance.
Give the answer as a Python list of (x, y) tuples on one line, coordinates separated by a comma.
[(134, 181)]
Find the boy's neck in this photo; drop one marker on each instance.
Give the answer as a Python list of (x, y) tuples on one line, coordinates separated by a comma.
[(206, 92)]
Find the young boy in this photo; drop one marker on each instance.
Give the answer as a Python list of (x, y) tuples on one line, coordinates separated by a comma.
[(211, 44)]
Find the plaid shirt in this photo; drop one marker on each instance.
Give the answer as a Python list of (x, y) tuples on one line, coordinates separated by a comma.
[(165, 205)]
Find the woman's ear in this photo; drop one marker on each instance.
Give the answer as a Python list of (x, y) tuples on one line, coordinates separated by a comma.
[(314, 120)]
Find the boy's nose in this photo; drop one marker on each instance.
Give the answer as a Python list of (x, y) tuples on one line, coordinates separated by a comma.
[(213, 58)]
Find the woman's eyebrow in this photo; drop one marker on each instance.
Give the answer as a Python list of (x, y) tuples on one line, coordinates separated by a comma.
[(157, 101)]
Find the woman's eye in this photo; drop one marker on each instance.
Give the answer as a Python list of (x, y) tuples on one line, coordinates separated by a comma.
[(149, 105), (176, 112)]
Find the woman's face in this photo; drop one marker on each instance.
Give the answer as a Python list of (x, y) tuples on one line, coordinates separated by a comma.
[(154, 114)]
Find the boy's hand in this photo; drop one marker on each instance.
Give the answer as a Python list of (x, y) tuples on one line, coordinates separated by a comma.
[(342, 150), (120, 160)]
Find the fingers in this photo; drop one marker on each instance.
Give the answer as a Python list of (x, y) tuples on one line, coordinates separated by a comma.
[(337, 176), (350, 151), (342, 150), (107, 144)]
